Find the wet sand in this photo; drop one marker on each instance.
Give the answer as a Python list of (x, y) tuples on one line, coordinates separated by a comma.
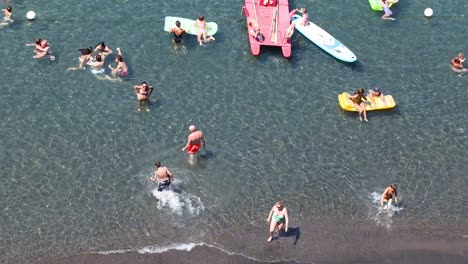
[(310, 243)]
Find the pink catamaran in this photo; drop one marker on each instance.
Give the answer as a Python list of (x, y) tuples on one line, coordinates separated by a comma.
[(267, 24)]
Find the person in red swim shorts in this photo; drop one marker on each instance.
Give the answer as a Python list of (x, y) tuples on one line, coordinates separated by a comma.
[(194, 141)]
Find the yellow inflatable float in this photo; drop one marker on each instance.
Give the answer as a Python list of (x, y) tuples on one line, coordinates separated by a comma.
[(348, 105)]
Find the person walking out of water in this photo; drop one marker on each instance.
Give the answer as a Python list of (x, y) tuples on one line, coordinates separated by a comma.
[(359, 103), (121, 70), (457, 64), (194, 141), (279, 219), (143, 93), (201, 34), (388, 195), (163, 175)]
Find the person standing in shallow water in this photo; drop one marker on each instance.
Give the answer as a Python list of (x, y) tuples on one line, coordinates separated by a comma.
[(163, 175), (143, 93), (279, 219), (388, 194), (194, 141)]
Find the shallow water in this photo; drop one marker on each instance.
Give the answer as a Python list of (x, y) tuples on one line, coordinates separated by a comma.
[(76, 156)]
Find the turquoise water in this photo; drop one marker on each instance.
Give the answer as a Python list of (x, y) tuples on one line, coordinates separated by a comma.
[(76, 156)]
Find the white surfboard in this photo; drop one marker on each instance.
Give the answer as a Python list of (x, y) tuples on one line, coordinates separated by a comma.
[(189, 25), (324, 40)]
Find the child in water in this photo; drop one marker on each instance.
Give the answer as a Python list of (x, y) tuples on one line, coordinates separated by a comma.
[(7, 16)]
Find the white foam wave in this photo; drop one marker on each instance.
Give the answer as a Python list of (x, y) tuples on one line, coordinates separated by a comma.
[(382, 215), (178, 202), (158, 249), (185, 247)]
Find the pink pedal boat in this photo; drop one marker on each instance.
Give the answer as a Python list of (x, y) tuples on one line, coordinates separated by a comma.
[(267, 25)]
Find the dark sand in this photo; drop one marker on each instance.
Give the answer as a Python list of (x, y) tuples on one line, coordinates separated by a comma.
[(311, 243)]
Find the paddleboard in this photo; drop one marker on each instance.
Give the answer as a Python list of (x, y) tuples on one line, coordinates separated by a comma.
[(348, 105), (324, 40), (375, 5), (189, 25)]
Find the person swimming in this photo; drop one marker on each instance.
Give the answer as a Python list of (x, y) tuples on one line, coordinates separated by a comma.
[(103, 50), (7, 12), (178, 33), (86, 54)]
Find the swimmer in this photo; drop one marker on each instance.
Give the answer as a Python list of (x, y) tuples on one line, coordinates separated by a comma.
[(254, 30), (194, 141), (86, 54), (305, 16), (388, 195), (201, 34), (42, 47), (376, 93), (163, 175), (178, 33), (387, 12), (457, 64), (103, 50), (7, 12), (359, 103), (279, 218), (96, 64), (143, 93), (121, 70)]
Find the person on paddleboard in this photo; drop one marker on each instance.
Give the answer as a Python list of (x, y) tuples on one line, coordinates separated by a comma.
[(279, 218), (194, 141), (305, 16), (163, 175), (178, 33), (388, 195), (358, 99)]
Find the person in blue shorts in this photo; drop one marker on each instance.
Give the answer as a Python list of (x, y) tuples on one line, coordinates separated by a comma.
[(163, 175)]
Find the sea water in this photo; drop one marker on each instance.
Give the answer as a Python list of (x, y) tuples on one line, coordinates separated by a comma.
[(76, 156)]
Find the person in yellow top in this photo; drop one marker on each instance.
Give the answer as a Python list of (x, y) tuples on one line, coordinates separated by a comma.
[(388, 195)]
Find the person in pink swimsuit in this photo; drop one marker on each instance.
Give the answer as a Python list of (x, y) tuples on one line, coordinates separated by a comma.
[(201, 23), (305, 16)]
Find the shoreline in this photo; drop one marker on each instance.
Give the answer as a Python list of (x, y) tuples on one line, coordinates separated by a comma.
[(311, 243)]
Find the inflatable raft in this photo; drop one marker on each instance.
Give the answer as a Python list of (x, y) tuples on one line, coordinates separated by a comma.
[(348, 105)]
